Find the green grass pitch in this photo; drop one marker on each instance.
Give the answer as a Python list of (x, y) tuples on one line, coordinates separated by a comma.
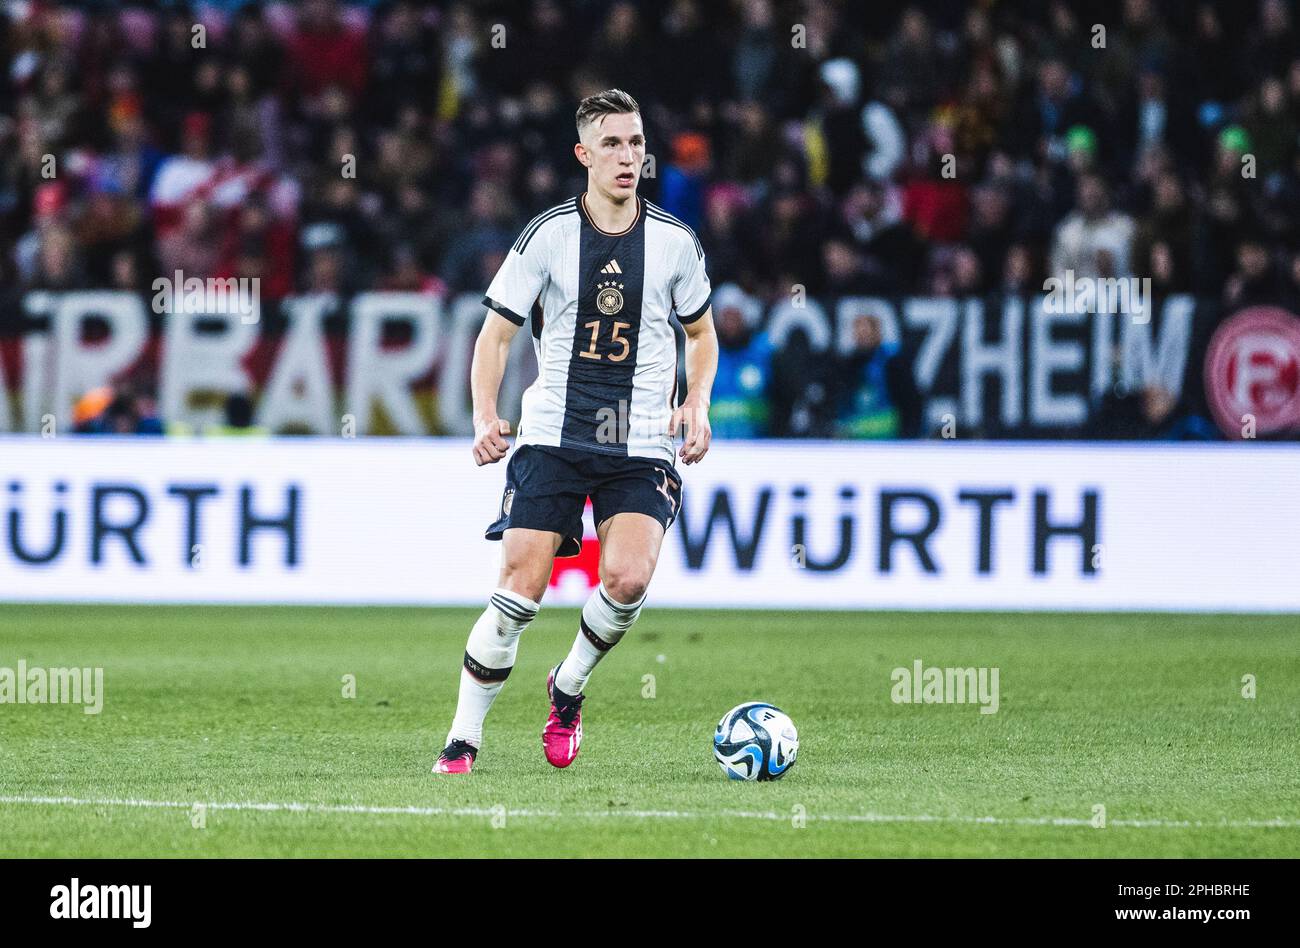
[(1143, 714)]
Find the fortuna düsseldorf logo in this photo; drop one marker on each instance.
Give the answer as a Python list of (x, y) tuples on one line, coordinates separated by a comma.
[(1252, 367)]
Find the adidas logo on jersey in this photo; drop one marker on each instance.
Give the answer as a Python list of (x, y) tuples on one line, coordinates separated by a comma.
[(611, 267)]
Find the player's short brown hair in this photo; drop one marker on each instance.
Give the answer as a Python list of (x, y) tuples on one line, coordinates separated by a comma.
[(610, 102)]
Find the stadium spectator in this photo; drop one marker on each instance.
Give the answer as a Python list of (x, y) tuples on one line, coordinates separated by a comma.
[(724, 233), (1256, 279), (683, 179), (119, 410), (1020, 274), (874, 395), (891, 251), (1165, 233), (991, 228), (741, 396), (325, 55), (238, 412), (1094, 240), (1149, 414), (481, 237), (934, 203)]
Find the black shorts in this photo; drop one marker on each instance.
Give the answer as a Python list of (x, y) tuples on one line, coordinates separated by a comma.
[(547, 488)]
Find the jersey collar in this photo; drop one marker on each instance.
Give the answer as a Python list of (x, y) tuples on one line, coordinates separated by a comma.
[(582, 205)]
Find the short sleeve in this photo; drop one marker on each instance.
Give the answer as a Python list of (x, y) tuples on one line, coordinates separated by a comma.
[(691, 290), (520, 280)]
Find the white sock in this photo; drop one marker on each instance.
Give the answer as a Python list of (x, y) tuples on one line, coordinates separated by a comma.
[(604, 621), (489, 656)]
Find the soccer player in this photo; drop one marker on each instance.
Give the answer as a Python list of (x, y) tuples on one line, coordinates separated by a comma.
[(596, 278)]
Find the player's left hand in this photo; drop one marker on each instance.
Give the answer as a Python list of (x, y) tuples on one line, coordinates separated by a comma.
[(695, 416)]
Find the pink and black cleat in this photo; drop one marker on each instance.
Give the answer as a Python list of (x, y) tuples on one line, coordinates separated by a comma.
[(562, 736), (456, 758)]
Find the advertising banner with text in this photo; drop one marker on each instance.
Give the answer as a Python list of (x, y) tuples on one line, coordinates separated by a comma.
[(385, 363), (763, 524)]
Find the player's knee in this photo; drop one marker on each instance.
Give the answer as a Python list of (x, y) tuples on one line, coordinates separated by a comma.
[(626, 583), (529, 590), (523, 579)]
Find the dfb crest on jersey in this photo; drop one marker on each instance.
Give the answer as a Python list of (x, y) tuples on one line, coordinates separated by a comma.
[(609, 298)]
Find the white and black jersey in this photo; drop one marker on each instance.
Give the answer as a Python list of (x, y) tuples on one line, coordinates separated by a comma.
[(599, 307)]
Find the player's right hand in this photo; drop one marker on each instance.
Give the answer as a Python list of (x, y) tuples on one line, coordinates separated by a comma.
[(490, 444)]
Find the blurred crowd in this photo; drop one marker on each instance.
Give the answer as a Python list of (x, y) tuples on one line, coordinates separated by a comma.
[(942, 148)]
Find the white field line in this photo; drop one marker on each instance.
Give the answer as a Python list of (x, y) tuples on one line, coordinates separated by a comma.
[(360, 809)]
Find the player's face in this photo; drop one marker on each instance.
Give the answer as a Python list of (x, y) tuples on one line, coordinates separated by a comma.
[(615, 150)]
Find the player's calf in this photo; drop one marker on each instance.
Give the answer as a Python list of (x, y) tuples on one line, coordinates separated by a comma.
[(603, 623), (489, 657)]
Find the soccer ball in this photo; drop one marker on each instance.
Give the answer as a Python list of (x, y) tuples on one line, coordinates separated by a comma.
[(755, 741)]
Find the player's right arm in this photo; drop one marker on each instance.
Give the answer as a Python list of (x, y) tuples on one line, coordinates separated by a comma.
[(514, 290), (491, 351)]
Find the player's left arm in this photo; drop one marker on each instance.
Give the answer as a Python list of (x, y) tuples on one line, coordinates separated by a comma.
[(701, 367), (691, 293)]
